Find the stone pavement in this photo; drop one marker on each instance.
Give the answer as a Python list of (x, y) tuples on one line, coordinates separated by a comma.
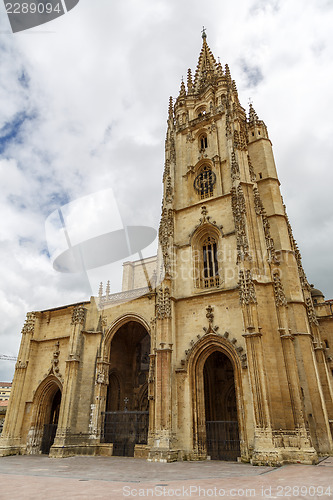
[(39, 477)]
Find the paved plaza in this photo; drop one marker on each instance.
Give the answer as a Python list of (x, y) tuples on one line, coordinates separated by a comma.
[(40, 477)]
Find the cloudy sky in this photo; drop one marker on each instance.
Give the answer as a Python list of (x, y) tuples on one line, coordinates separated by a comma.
[(83, 103)]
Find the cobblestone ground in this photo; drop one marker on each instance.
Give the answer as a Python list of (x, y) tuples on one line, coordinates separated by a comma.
[(40, 477)]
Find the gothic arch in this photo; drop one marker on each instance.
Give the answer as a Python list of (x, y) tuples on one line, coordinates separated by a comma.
[(206, 247), (41, 408), (203, 162), (209, 344), (127, 347), (118, 323), (201, 110)]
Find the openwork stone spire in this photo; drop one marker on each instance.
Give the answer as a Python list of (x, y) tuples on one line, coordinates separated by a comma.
[(253, 117), (182, 92), (207, 69)]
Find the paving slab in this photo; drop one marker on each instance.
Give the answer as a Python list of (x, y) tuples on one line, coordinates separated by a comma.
[(39, 477)]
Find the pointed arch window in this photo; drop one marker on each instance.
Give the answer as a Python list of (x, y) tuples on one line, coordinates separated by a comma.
[(204, 182), (210, 266), (203, 142), (206, 262)]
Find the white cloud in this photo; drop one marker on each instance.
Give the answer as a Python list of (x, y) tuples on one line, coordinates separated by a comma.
[(93, 86)]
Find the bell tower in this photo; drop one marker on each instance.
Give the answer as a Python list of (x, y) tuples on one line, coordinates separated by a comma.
[(233, 283)]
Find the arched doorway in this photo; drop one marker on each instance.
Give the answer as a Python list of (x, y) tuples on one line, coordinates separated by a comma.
[(125, 422), (222, 434), (51, 423)]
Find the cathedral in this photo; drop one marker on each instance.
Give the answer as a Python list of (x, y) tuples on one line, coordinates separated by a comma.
[(224, 351)]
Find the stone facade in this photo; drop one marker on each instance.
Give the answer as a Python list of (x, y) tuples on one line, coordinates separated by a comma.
[(233, 338)]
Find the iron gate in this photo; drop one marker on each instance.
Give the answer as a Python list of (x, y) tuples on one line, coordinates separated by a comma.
[(48, 437), (222, 440), (125, 429)]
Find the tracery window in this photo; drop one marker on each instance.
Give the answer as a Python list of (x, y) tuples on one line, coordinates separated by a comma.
[(210, 266), (204, 182), (206, 261)]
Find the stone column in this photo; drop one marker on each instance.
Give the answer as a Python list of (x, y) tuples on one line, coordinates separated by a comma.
[(11, 434), (68, 407), (317, 415), (162, 449), (264, 451)]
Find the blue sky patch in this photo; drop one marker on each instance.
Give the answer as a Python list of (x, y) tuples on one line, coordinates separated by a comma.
[(11, 130)]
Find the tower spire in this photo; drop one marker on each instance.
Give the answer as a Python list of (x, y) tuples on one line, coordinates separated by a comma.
[(182, 92), (206, 70), (253, 117)]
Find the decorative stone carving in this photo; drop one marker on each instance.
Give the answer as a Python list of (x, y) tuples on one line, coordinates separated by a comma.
[(258, 206), (247, 293), (172, 150), (55, 361), (205, 219), (166, 172), (20, 365), (269, 240), (29, 324), (166, 229), (304, 281), (163, 306), (260, 210), (239, 211), (168, 190), (189, 137), (238, 349), (213, 127), (210, 317), (92, 422), (280, 298), (239, 140), (311, 311), (78, 315), (235, 172), (253, 117), (167, 264), (251, 170)]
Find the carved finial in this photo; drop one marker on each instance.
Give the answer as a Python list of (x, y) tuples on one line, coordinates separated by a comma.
[(234, 86), (219, 68), (182, 92), (107, 290), (78, 315), (189, 81), (253, 117), (227, 73), (29, 325), (170, 107), (204, 34), (235, 172), (251, 170), (100, 290)]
